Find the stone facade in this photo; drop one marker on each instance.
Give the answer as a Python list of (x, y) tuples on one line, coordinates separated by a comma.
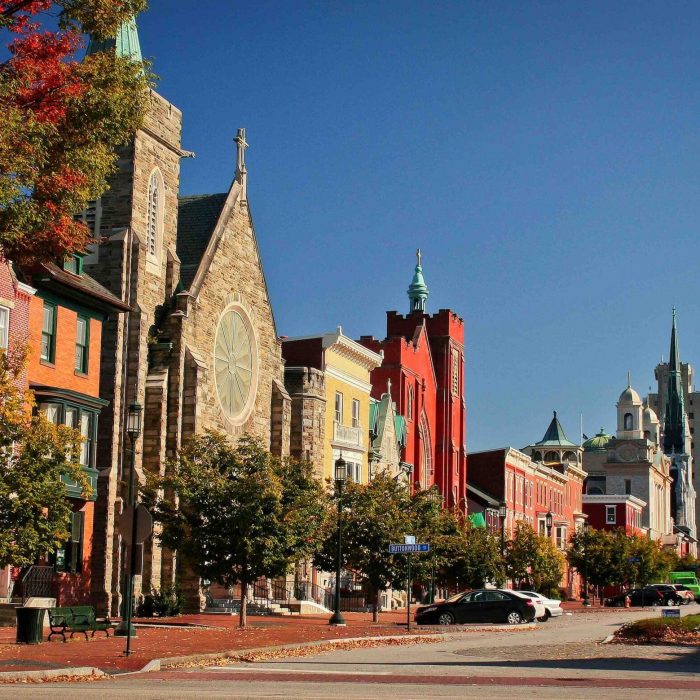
[(162, 355)]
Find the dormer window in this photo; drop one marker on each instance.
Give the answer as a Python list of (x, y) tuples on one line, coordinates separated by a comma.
[(74, 263)]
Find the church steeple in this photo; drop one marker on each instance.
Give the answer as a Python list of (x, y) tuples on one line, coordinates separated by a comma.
[(418, 289), (125, 43), (674, 422)]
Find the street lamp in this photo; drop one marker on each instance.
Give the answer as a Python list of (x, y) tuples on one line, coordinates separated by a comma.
[(341, 473), (436, 500), (503, 512), (548, 521), (133, 430), (586, 601)]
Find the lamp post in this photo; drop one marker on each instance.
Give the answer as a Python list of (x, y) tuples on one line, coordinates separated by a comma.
[(548, 521), (586, 601), (341, 473), (133, 430), (503, 512), (436, 500)]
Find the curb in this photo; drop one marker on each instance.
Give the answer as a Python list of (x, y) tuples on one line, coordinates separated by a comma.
[(171, 661), (53, 674)]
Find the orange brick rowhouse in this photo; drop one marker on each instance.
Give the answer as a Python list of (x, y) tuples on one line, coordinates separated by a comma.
[(65, 329)]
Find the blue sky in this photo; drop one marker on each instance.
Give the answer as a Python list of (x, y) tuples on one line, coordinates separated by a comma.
[(544, 155)]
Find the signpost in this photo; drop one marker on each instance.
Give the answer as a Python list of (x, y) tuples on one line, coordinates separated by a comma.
[(409, 547)]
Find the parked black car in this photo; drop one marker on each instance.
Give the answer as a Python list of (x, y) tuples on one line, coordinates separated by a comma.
[(645, 596), (478, 606)]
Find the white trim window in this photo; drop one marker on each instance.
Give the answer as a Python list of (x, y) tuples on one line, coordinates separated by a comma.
[(610, 515), (355, 413), (4, 327), (338, 408)]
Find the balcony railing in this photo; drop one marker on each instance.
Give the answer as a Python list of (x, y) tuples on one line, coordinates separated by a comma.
[(347, 435)]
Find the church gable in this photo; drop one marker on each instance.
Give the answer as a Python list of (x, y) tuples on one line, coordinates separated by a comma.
[(229, 317)]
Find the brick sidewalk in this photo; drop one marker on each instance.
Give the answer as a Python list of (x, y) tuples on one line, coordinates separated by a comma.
[(218, 633)]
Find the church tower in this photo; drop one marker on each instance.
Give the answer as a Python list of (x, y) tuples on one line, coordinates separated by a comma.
[(198, 351), (629, 414), (677, 441), (418, 289)]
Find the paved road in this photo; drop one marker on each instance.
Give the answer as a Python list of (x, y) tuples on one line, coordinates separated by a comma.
[(563, 653)]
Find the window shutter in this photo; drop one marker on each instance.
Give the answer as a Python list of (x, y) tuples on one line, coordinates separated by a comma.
[(76, 543)]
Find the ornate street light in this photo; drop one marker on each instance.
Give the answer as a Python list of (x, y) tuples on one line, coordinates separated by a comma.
[(341, 474), (548, 521), (503, 512), (586, 601), (133, 430)]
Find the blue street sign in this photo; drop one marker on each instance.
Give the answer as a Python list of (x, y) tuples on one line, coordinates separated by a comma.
[(408, 548), (670, 612)]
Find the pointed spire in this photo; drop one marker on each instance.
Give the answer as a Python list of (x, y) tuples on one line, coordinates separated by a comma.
[(125, 43), (674, 418), (555, 434), (674, 362), (418, 289), (629, 379)]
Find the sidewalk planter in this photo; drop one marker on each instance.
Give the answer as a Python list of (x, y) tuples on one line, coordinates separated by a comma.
[(30, 625)]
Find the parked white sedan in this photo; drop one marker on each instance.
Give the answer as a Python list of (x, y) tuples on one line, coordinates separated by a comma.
[(540, 609), (552, 607)]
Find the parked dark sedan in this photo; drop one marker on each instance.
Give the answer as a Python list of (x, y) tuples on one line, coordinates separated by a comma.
[(478, 606), (645, 596)]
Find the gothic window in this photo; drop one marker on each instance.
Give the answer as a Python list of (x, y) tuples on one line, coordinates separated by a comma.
[(91, 216), (409, 404), (628, 422), (455, 373), (154, 217)]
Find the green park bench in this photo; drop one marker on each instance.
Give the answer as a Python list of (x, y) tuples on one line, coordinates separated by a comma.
[(76, 619)]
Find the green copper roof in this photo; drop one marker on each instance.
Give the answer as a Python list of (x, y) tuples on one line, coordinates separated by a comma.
[(126, 43), (418, 289), (598, 443), (555, 435)]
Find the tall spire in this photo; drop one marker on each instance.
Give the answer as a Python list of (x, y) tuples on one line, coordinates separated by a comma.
[(674, 423), (125, 43), (418, 289)]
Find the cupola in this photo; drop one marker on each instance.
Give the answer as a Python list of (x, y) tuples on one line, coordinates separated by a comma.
[(629, 413)]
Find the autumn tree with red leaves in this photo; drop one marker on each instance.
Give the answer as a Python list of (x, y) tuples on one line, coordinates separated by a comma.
[(62, 119)]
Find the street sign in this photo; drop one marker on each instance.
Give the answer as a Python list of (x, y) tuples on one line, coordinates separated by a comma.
[(408, 548), (670, 612), (144, 526)]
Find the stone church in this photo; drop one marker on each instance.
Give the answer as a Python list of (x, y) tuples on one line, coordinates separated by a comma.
[(199, 350)]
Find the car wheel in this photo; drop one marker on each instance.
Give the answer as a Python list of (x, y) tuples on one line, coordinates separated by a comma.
[(446, 619), (670, 602), (514, 617), (686, 601)]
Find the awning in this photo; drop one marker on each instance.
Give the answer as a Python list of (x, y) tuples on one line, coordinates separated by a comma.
[(477, 520)]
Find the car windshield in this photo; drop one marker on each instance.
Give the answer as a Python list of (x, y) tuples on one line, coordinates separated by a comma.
[(455, 597)]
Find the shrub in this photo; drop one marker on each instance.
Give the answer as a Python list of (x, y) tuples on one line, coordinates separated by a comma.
[(659, 628), (166, 602)]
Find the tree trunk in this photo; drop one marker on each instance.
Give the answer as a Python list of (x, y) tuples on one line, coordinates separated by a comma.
[(375, 606), (243, 616)]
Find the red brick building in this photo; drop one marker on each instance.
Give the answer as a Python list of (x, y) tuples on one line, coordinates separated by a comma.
[(541, 479), (611, 512), (65, 326), (424, 361)]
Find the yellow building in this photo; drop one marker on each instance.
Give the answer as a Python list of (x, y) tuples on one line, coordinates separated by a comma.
[(328, 379)]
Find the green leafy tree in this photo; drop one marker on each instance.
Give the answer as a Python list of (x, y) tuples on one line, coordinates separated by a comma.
[(547, 567), (521, 552), (471, 557), (62, 120), (375, 515), (241, 514), (35, 512)]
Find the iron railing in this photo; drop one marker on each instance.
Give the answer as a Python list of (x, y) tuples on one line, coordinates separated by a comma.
[(36, 582)]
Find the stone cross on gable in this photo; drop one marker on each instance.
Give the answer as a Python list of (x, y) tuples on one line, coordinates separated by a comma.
[(241, 145)]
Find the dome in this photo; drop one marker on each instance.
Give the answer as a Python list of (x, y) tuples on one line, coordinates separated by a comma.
[(598, 443), (649, 417), (630, 396)]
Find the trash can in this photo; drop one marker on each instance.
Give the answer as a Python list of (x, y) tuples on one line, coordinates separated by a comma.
[(30, 625)]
